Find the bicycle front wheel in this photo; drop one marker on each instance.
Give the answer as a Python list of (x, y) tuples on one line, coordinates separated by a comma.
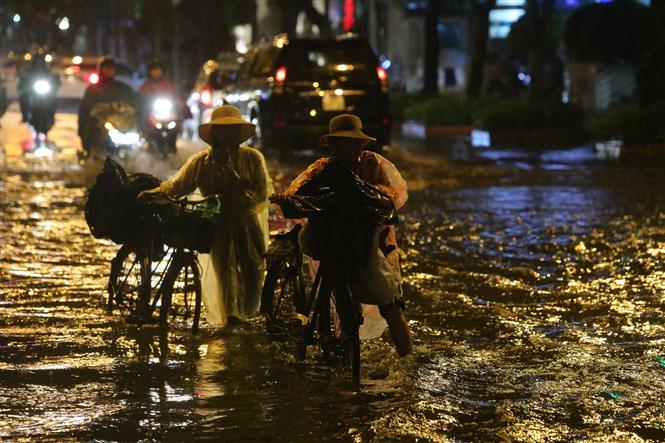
[(283, 299), (181, 303)]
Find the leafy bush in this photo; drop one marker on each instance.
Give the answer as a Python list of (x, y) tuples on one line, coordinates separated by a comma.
[(632, 124), (495, 114), (400, 101), (440, 111), (515, 115)]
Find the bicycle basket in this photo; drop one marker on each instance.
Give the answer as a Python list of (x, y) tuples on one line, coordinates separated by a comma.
[(190, 225)]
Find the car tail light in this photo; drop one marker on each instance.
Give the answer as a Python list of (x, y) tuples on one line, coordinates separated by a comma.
[(280, 74), (206, 97), (381, 73), (93, 78), (279, 123)]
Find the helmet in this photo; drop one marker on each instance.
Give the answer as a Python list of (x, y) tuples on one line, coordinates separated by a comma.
[(155, 63), (106, 60)]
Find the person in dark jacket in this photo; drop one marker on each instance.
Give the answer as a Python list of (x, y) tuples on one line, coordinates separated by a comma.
[(108, 90)]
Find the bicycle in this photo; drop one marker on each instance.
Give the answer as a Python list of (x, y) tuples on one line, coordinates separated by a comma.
[(328, 316), (162, 274)]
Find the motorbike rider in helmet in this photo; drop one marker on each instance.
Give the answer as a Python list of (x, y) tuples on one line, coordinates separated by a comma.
[(106, 90), (36, 69), (158, 87)]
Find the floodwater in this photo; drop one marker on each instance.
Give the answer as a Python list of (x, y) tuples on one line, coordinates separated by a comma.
[(535, 287)]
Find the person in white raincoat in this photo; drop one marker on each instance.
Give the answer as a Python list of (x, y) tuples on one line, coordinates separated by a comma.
[(234, 271)]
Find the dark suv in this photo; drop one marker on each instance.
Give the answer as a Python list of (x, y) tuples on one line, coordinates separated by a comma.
[(291, 88)]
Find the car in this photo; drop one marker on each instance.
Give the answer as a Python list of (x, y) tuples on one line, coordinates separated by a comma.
[(291, 88), (77, 73), (214, 76)]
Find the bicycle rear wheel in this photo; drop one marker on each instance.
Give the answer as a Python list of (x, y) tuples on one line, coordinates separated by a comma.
[(339, 325), (283, 299), (181, 303), (135, 276)]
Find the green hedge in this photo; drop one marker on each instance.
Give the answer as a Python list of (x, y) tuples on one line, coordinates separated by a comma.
[(400, 101), (632, 124), (440, 112), (515, 115), (492, 114)]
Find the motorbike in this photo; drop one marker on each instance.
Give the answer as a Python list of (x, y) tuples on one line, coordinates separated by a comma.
[(116, 133), (162, 127), (42, 102)]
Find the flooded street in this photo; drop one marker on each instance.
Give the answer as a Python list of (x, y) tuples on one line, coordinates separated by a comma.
[(535, 286)]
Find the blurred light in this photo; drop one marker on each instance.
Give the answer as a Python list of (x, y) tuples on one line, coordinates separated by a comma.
[(280, 74), (510, 2), (42, 87), (162, 107), (339, 92), (48, 58), (381, 73), (27, 57), (499, 31), (344, 67), (93, 78), (17, 18), (505, 15), (64, 24), (349, 17), (312, 113), (480, 138), (315, 85), (171, 125), (77, 59), (241, 47), (524, 78), (206, 97), (386, 64)]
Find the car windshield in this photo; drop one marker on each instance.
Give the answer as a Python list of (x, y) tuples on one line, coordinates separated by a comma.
[(307, 58)]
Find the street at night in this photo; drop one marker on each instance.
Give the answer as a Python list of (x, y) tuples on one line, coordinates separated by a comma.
[(535, 293), (332, 220)]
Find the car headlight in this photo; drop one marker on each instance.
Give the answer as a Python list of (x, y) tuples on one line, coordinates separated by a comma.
[(42, 87)]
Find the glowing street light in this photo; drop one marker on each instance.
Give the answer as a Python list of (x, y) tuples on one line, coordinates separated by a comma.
[(64, 24), (17, 18)]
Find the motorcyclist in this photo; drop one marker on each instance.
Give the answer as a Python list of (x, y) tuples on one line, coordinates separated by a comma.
[(36, 69), (155, 87), (375, 279), (107, 90)]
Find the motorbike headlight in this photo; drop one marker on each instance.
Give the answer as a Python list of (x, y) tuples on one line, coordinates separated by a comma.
[(162, 107), (42, 87), (171, 125)]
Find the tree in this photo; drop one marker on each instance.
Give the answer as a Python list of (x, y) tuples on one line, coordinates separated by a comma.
[(480, 12), (538, 19), (431, 71), (651, 87)]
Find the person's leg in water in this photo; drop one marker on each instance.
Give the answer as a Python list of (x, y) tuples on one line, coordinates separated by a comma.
[(399, 328)]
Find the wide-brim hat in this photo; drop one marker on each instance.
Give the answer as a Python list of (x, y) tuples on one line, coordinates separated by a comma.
[(226, 115), (347, 126)]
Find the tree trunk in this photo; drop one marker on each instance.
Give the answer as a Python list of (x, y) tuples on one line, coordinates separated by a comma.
[(431, 71), (481, 12), (538, 20), (651, 85)]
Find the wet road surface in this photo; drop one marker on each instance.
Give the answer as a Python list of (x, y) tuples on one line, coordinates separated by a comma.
[(535, 286)]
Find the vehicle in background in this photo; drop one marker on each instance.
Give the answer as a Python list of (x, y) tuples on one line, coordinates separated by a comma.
[(42, 103), (212, 80), (77, 73), (116, 131), (162, 126), (291, 88)]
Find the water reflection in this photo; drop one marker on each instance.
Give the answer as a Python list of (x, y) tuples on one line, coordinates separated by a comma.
[(536, 296)]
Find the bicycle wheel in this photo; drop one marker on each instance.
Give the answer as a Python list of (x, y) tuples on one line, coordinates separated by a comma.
[(339, 325), (283, 299), (133, 274), (181, 303)]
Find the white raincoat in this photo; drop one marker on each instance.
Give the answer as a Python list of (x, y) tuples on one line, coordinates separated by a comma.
[(234, 271)]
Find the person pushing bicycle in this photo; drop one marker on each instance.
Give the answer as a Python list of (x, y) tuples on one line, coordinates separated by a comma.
[(354, 185), (240, 176)]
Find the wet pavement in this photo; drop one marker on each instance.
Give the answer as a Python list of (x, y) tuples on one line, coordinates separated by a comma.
[(535, 283)]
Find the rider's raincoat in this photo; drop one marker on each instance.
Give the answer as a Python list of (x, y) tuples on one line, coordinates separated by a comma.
[(234, 271), (381, 279)]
